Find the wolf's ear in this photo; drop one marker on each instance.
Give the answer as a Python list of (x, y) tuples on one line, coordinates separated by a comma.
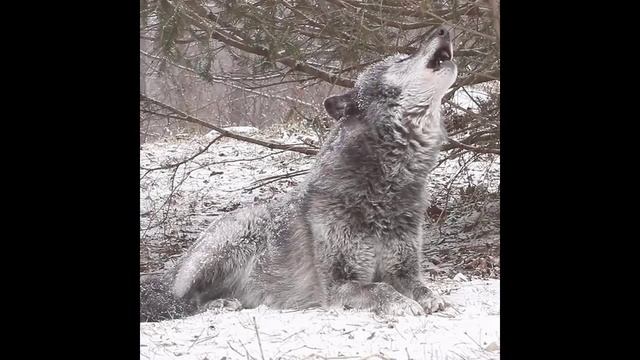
[(340, 105)]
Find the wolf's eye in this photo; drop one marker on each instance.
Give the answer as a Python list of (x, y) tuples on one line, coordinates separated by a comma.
[(402, 60)]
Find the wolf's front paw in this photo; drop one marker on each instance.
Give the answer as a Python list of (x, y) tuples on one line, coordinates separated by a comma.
[(402, 306), (391, 302), (430, 301)]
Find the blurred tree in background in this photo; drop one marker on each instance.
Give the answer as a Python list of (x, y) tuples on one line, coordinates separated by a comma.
[(266, 62)]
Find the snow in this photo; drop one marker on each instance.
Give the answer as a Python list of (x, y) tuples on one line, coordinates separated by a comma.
[(468, 97), (468, 329)]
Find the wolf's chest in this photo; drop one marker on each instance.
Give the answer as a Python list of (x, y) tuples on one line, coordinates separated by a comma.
[(378, 262), (388, 254)]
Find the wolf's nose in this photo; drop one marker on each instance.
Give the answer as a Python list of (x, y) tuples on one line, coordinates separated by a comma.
[(443, 32)]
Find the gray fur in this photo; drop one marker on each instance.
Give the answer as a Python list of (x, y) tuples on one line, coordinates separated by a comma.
[(351, 235)]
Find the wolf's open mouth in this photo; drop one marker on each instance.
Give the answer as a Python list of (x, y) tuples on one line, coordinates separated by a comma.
[(443, 53)]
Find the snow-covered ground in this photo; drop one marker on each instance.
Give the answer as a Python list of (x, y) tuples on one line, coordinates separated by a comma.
[(177, 205), (468, 329)]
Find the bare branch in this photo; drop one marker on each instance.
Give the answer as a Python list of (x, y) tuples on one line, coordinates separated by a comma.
[(455, 144), (271, 179), (204, 24), (192, 119), (226, 81), (169, 166)]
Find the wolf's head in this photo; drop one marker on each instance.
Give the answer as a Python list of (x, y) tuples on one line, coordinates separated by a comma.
[(403, 85)]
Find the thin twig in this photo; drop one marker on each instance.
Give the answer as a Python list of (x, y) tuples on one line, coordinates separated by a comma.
[(456, 144), (196, 339), (271, 179), (169, 166), (151, 273), (246, 351), (255, 325), (474, 340), (232, 348)]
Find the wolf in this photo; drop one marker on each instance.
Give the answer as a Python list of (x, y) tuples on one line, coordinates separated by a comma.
[(351, 235)]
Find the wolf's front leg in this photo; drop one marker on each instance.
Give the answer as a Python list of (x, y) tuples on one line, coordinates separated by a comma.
[(407, 279), (378, 297)]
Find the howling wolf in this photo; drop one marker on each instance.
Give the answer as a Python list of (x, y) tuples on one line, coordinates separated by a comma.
[(351, 235)]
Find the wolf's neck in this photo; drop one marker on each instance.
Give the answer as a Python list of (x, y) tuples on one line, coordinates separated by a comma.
[(426, 134), (411, 149), (426, 123)]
